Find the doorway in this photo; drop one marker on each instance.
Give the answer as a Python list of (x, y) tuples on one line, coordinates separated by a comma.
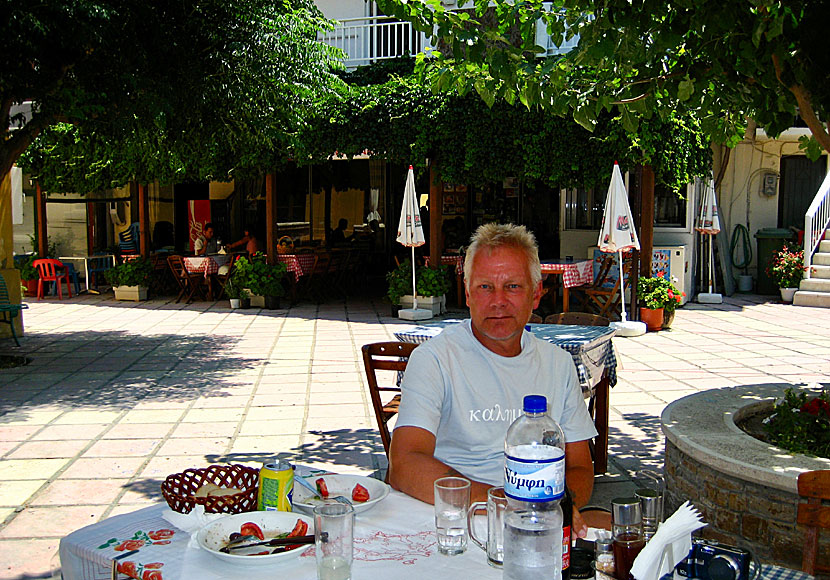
[(800, 180)]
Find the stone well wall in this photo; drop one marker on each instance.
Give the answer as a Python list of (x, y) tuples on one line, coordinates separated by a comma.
[(746, 490)]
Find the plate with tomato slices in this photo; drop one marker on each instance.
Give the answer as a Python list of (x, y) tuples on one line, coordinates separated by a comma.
[(364, 492), (264, 525)]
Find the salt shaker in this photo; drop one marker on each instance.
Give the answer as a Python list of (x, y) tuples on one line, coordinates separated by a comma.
[(604, 562)]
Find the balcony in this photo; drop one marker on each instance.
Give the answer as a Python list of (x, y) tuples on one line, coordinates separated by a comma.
[(366, 40)]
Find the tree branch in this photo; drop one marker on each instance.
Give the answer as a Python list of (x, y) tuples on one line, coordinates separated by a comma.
[(805, 107), (19, 140)]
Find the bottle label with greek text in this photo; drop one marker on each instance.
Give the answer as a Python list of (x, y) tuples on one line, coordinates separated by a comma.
[(534, 473)]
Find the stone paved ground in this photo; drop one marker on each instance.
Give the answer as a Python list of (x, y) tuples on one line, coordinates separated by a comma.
[(119, 395)]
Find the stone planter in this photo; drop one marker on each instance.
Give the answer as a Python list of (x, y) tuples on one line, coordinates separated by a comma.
[(787, 294), (133, 293), (745, 489), (438, 304), (653, 318), (256, 301)]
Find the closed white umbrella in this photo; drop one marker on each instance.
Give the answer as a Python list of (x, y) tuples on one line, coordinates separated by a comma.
[(708, 223), (411, 234), (618, 235)]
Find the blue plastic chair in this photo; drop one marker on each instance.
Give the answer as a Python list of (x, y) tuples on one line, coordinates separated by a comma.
[(97, 266), (73, 276)]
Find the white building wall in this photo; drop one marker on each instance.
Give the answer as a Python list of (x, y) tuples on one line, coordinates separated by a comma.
[(339, 9)]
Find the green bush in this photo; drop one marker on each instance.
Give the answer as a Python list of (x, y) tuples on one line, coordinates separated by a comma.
[(657, 292), (27, 270), (258, 276), (801, 423), (428, 281), (132, 273)]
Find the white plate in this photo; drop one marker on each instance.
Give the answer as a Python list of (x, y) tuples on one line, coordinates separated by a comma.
[(215, 535), (340, 485)]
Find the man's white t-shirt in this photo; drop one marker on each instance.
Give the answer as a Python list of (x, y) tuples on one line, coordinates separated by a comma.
[(467, 396)]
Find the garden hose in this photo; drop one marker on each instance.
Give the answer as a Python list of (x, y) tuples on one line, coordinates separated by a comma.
[(740, 233)]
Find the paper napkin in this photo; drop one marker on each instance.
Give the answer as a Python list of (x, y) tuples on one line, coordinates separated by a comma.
[(669, 546)]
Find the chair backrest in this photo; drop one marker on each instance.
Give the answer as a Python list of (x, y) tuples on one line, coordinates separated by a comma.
[(577, 318), (47, 268), (814, 486), (4, 291), (385, 356), (177, 267), (535, 318)]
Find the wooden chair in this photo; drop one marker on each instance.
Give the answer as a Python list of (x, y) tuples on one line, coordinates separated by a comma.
[(814, 486), (603, 300), (577, 319), (535, 319), (189, 284), (385, 356), (314, 284), (51, 270)]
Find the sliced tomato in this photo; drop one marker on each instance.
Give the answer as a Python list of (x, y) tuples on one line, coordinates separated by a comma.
[(300, 529), (360, 493), (251, 529), (322, 488)]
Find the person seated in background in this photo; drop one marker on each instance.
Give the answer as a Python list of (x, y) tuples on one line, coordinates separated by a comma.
[(338, 234), (249, 240), (463, 388), (206, 243)]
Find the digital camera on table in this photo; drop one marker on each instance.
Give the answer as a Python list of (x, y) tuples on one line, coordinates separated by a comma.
[(710, 560)]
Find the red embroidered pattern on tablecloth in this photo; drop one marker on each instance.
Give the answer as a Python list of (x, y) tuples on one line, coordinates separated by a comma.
[(380, 546)]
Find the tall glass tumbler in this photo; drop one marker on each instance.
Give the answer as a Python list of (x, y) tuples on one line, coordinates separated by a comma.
[(627, 528), (452, 500), (334, 541)]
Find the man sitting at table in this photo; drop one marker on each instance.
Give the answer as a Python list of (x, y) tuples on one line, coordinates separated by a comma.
[(463, 388), (206, 243)]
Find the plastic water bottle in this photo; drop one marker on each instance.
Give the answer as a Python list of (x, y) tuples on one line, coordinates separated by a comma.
[(534, 483)]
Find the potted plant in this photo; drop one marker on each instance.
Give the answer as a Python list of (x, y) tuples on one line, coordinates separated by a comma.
[(236, 293), (28, 274), (432, 285), (675, 300), (400, 284), (262, 280), (787, 269), (130, 280), (655, 294)]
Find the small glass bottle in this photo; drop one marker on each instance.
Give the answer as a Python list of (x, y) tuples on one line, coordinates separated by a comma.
[(604, 562)]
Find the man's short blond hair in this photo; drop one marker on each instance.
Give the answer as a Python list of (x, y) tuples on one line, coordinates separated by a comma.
[(493, 236)]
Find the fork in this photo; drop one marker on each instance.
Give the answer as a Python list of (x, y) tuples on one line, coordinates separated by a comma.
[(308, 486)]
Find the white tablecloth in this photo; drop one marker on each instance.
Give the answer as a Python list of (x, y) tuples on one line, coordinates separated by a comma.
[(395, 539)]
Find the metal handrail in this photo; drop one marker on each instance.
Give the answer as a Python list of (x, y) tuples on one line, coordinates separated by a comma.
[(816, 221)]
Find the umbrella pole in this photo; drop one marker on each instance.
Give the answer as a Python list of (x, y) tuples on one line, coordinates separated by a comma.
[(414, 289), (711, 264), (622, 286)]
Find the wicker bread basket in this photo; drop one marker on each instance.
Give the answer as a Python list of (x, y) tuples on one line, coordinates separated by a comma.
[(180, 489)]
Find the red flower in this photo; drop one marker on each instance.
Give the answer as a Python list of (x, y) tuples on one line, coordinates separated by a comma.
[(129, 545), (151, 575), (127, 568), (153, 566), (161, 534), (161, 543), (816, 407)]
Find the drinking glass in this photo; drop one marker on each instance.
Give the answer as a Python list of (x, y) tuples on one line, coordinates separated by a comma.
[(495, 506), (627, 527), (333, 540), (452, 500)]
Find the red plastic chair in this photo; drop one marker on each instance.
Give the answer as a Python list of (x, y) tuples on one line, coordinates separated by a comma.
[(51, 270)]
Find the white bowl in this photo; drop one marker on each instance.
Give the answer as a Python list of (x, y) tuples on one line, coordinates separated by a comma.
[(215, 535), (343, 485)]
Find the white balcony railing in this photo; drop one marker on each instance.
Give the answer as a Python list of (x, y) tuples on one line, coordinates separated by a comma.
[(365, 40), (816, 221)]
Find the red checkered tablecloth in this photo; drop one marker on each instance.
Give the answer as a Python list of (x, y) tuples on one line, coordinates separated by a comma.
[(457, 261), (573, 274), (297, 264), (206, 265)]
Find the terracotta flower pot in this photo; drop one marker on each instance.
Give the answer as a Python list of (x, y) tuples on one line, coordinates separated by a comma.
[(653, 318)]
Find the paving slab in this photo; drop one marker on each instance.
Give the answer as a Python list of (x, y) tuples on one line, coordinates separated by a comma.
[(151, 388)]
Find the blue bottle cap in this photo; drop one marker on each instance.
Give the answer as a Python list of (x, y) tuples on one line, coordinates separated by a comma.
[(535, 404)]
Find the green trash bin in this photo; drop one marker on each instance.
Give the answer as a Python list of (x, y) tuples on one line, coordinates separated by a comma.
[(769, 241)]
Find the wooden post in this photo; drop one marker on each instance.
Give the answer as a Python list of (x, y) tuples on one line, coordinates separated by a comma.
[(271, 217), (143, 221), (646, 221), (40, 216), (90, 228), (434, 215)]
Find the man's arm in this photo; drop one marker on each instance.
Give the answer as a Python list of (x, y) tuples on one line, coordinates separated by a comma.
[(579, 472), (199, 246), (413, 469)]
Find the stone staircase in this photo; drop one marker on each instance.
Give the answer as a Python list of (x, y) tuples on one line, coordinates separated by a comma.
[(815, 291)]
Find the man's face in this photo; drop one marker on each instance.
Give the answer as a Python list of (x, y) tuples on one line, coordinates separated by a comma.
[(208, 233), (501, 297)]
